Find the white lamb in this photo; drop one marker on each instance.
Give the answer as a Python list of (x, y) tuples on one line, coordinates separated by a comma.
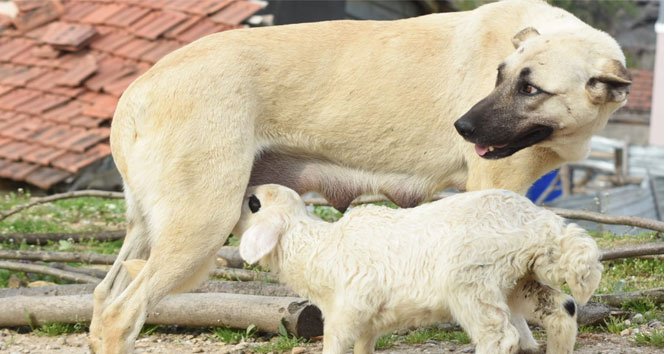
[(485, 259)]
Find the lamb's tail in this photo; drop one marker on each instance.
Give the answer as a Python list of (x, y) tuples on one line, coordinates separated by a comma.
[(579, 262)]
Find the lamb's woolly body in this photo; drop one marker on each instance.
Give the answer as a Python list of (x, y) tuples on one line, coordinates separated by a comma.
[(385, 268)]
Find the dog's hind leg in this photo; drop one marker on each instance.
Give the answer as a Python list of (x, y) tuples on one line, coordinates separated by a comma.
[(135, 245), (554, 311)]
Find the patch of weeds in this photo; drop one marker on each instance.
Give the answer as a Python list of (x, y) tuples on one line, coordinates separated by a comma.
[(327, 213), (234, 336), (149, 329), (458, 337), (631, 274), (646, 307), (653, 339), (57, 329), (279, 344), (615, 325), (108, 247), (423, 335), (387, 341)]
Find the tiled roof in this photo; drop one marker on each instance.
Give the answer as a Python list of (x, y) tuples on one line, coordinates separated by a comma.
[(64, 64), (641, 90)]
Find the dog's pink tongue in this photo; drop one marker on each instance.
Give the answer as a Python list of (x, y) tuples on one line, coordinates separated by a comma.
[(481, 149)]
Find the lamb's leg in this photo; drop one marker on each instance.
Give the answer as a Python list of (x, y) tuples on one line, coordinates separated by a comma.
[(527, 344), (551, 309), (485, 316)]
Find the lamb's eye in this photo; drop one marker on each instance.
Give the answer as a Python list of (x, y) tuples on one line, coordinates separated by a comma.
[(254, 204), (528, 89)]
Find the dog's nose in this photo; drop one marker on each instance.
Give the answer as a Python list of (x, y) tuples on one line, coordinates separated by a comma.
[(465, 128)]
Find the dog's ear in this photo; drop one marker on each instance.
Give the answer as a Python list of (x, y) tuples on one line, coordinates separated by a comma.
[(523, 35), (611, 85), (260, 239)]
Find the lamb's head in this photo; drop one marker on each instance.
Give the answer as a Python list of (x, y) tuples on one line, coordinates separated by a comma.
[(267, 211), (576, 262)]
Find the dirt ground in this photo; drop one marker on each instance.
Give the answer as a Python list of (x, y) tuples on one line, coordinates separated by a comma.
[(12, 342)]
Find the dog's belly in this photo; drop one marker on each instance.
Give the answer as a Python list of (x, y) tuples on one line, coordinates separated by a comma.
[(338, 184)]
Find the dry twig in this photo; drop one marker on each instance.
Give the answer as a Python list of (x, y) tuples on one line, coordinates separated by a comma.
[(44, 238), (632, 251), (58, 273), (90, 258)]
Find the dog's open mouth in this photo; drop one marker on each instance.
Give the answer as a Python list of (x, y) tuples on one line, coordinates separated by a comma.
[(533, 136)]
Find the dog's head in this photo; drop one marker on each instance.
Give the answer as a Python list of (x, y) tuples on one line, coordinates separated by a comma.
[(556, 90), (266, 213)]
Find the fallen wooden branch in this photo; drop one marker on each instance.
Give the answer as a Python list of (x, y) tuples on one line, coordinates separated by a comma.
[(595, 312), (192, 310), (96, 273), (243, 275), (655, 295), (90, 258), (58, 273), (645, 223), (44, 238), (68, 195), (632, 251), (232, 287)]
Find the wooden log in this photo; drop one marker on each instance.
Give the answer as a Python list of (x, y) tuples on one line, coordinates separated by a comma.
[(300, 318), (594, 313), (58, 273), (90, 258), (243, 274), (96, 273), (633, 251), (233, 287), (44, 238), (655, 295)]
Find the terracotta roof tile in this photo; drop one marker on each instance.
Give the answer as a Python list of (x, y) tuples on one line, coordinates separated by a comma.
[(45, 102), (200, 29), (45, 51), (14, 98), (17, 170), (43, 155), (86, 121), (46, 177), (102, 13), (159, 51), (74, 161), (41, 12), (109, 71), (4, 89), (69, 36), (65, 112), (77, 10), (207, 7), (9, 122), (14, 47), (56, 134), (156, 23), (22, 76), (103, 107), (111, 41), (23, 129), (135, 48), (78, 73), (14, 150), (127, 16), (236, 12), (117, 87), (83, 140)]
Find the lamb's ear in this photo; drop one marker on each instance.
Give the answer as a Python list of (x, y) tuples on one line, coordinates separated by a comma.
[(523, 35), (611, 85), (259, 240), (580, 263)]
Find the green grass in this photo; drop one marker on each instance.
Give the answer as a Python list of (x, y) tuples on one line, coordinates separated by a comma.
[(423, 335), (653, 339), (386, 341), (279, 344), (57, 329)]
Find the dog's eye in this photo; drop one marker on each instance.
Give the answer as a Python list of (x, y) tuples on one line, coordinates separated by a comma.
[(254, 204), (528, 89)]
